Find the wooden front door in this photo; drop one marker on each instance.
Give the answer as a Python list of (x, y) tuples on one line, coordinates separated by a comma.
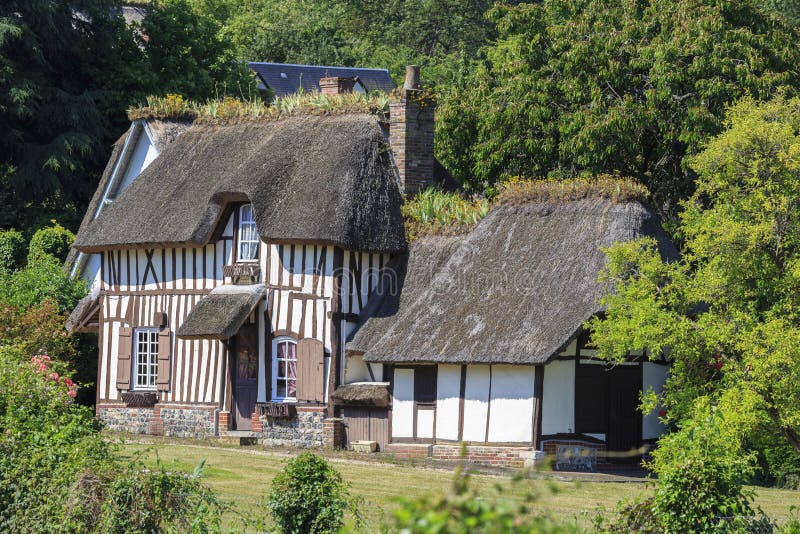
[(245, 376)]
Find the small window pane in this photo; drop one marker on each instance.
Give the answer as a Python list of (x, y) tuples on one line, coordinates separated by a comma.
[(145, 363), (248, 235)]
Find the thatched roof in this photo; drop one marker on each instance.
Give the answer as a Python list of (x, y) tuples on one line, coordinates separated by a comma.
[(514, 290), (85, 315), (363, 394), (221, 313), (327, 179), (161, 132)]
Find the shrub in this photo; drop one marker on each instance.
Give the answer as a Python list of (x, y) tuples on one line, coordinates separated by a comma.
[(436, 212), (41, 279), (47, 442), (308, 496), (51, 241), (159, 501), (12, 249), (701, 470)]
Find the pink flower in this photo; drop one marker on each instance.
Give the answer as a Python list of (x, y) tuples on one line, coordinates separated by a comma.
[(72, 393), (68, 382), (54, 377)]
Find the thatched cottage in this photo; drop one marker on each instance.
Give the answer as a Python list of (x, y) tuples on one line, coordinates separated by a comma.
[(255, 278)]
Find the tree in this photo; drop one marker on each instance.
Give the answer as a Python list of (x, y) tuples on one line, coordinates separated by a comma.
[(67, 71), (589, 86), (189, 55), (727, 313)]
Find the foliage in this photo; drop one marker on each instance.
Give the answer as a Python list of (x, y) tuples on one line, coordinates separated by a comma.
[(462, 511), (12, 249), (229, 110), (616, 189), (66, 71), (53, 241), (46, 443), (442, 36), (159, 501), (308, 496), (789, 9), (187, 53), (41, 279), (739, 266), (436, 212), (591, 86), (701, 470)]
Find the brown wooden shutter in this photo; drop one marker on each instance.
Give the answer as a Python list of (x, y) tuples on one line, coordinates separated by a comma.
[(124, 346), (310, 370), (164, 363)]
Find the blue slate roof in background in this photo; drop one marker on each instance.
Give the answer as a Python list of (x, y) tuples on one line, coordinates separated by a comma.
[(286, 78)]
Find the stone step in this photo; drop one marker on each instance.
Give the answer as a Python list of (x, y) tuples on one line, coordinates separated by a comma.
[(243, 438)]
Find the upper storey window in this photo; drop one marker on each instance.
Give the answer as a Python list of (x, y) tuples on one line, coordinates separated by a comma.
[(247, 249)]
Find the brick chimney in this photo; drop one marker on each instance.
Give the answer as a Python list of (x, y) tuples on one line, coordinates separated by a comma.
[(336, 85), (411, 133)]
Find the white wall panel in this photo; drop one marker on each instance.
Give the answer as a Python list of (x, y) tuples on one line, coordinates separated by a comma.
[(653, 377), (448, 391), (558, 403), (511, 412), (403, 404), (476, 403)]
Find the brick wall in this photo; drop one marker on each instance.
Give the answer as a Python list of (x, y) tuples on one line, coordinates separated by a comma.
[(409, 450), (411, 133), (481, 454), (333, 433)]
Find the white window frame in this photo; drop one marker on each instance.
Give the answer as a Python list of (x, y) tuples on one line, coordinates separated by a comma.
[(150, 364), (275, 342), (249, 224)]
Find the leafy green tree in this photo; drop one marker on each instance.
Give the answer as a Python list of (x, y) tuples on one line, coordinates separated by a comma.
[(12, 249), (67, 71), (727, 313), (188, 54), (573, 87)]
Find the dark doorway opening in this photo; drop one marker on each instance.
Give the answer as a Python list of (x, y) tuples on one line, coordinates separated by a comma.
[(606, 402), (245, 376)]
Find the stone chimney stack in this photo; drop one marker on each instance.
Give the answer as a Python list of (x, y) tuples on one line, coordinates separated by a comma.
[(336, 85), (411, 133)]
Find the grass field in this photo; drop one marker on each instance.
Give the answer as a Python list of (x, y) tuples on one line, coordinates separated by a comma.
[(242, 477)]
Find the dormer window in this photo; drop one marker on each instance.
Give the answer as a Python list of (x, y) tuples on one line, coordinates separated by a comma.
[(248, 240)]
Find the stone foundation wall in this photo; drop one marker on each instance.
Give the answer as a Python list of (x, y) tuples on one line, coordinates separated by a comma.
[(123, 419), (188, 423), (179, 421), (303, 431)]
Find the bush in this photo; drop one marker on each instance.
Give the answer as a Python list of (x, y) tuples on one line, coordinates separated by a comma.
[(41, 279), (159, 501), (12, 249), (51, 241), (308, 496), (701, 470), (47, 442)]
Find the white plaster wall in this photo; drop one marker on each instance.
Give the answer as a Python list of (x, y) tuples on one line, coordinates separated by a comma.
[(511, 412), (403, 404), (143, 155), (425, 423), (448, 390), (558, 399), (476, 403), (653, 377), (356, 370)]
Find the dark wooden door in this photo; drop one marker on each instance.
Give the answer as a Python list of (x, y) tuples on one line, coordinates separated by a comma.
[(366, 423), (245, 376), (624, 419)]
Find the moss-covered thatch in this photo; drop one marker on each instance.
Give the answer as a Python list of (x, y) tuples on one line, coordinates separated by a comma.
[(322, 179), (516, 289), (221, 313), (363, 394), (233, 111)]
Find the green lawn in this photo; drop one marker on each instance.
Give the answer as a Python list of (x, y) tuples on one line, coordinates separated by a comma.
[(242, 477)]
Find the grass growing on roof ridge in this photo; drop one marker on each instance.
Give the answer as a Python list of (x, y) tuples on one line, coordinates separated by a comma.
[(434, 212), (229, 110)]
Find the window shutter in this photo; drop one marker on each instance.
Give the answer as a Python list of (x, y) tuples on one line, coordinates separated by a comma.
[(124, 346), (310, 370), (164, 363)]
